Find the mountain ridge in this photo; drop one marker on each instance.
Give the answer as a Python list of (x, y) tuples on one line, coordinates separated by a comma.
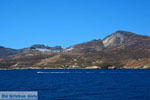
[(121, 49), (116, 32)]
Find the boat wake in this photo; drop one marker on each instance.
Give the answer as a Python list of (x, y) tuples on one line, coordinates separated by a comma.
[(41, 72)]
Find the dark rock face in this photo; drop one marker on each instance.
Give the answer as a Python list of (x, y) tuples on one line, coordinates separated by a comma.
[(39, 46)]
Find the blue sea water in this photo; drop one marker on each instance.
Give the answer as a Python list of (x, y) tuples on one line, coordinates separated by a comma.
[(79, 84)]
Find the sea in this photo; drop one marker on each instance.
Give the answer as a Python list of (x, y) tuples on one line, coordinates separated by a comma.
[(79, 84)]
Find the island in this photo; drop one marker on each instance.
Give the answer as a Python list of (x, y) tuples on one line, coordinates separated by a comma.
[(119, 50)]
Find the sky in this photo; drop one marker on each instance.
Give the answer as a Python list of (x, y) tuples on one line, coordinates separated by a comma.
[(68, 22)]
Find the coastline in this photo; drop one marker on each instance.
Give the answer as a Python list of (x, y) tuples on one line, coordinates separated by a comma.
[(77, 69)]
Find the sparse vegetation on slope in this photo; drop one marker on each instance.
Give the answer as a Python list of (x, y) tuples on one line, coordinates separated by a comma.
[(119, 50)]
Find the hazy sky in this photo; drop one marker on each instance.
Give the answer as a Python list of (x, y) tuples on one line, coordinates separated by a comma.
[(68, 22)]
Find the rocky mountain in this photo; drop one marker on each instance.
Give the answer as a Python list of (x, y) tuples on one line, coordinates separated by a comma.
[(119, 37), (5, 52), (44, 48), (94, 45), (121, 49), (130, 45)]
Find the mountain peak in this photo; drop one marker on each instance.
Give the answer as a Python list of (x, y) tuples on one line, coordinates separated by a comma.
[(117, 37), (38, 46), (124, 33)]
